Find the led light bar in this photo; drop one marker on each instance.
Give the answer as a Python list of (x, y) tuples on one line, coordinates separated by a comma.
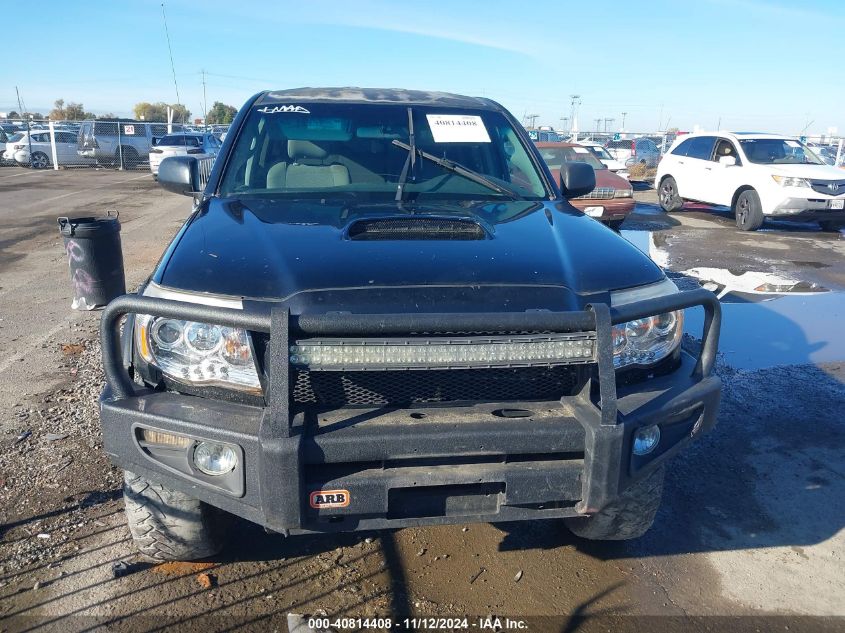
[(444, 353)]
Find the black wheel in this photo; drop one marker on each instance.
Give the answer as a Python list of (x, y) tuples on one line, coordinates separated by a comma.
[(749, 211), (831, 225), (39, 160), (668, 195), (168, 525), (615, 224), (626, 517), (130, 158)]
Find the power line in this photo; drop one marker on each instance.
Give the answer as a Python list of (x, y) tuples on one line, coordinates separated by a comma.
[(170, 49)]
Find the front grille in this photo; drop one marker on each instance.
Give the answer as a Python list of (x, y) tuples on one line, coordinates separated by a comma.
[(599, 193), (418, 228), (821, 186), (335, 389)]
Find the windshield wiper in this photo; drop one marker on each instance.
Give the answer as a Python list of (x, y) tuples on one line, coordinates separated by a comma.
[(455, 168), (410, 162)]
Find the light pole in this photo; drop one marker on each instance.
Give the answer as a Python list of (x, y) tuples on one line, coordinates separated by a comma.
[(573, 116), (624, 114)]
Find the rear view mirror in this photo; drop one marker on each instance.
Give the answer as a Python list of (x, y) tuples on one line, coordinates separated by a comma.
[(180, 174), (576, 179), (727, 161)]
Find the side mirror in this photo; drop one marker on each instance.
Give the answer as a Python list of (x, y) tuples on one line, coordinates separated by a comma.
[(180, 174), (576, 179), (727, 161)]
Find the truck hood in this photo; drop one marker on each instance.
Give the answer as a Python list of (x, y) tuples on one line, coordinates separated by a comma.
[(534, 255), (813, 172)]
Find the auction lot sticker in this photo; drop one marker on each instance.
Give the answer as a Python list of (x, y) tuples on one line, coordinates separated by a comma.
[(457, 128)]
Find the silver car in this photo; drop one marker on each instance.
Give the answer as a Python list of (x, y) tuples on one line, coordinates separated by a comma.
[(635, 150), (198, 145)]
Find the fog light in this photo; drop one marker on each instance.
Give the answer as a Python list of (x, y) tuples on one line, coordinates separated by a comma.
[(164, 439), (645, 439), (215, 459)]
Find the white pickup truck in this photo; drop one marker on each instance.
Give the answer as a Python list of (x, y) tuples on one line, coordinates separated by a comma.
[(756, 175)]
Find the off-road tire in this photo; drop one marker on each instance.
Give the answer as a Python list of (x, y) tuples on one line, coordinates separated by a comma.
[(168, 525), (748, 211), (668, 196), (628, 516)]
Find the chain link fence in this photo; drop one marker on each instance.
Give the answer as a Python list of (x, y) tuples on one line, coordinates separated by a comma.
[(102, 143)]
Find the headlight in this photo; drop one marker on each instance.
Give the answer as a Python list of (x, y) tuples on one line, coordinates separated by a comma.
[(648, 340), (198, 353), (623, 193), (790, 181)]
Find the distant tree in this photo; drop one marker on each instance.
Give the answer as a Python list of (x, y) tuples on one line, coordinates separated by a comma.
[(107, 115), (58, 113), (13, 115), (37, 116), (158, 112), (76, 112), (221, 113)]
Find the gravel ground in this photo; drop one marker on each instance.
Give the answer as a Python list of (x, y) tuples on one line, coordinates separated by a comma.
[(750, 524)]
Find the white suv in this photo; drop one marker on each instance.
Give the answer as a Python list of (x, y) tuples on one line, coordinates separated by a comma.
[(756, 175)]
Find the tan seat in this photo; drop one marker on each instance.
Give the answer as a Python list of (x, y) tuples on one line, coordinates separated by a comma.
[(310, 167)]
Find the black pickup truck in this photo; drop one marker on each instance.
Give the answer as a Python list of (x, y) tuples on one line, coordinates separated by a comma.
[(383, 312)]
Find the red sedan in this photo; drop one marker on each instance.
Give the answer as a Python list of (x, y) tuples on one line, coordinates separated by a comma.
[(612, 199)]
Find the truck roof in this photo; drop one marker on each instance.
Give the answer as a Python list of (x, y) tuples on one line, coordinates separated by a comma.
[(376, 95)]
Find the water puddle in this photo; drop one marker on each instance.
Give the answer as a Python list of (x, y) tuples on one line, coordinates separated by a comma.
[(644, 240), (784, 330), (767, 319), (751, 285)]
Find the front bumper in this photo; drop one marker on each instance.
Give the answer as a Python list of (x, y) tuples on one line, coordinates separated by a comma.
[(435, 464), (817, 207)]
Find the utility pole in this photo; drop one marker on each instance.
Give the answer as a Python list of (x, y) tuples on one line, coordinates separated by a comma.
[(573, 117), (532, 118), (606, 121), (598, 125), (25, 118), (564, 120), (624, 114), (204, 104)]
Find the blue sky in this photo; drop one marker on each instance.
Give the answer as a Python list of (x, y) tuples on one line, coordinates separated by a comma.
[(753, 64)]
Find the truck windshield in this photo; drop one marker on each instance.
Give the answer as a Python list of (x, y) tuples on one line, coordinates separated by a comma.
[(777, 151), (329, 149)]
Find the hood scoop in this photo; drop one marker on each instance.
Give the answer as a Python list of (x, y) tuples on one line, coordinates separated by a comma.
[(416, 228)]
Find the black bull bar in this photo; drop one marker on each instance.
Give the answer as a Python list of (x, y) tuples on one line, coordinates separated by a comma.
[(280, 450)]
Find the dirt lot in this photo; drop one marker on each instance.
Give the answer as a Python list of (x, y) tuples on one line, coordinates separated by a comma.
[(751, 523)]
